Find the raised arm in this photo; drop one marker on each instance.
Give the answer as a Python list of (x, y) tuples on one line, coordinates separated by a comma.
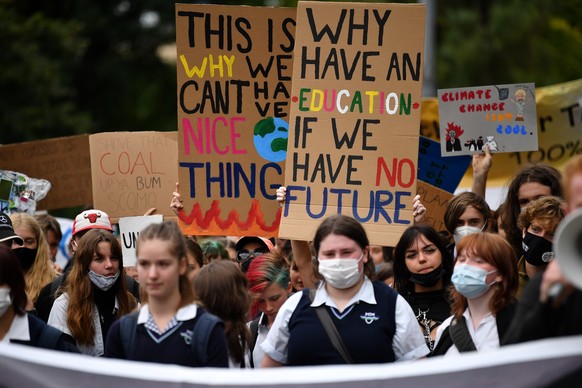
[(419, 211), (176, 203), (301, 250), (481, 165)]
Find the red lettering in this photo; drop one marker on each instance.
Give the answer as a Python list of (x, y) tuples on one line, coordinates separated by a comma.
[(208, 137), (396, 173)]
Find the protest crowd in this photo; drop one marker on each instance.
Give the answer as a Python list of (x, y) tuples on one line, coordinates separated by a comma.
[(318, 303), (491, 277)]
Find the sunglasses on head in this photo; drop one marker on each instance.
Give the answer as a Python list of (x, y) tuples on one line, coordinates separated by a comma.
[(245, 255)]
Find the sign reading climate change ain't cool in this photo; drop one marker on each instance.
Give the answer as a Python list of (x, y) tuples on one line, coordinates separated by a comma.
[(501, 117), (234, 79), (355, 114)]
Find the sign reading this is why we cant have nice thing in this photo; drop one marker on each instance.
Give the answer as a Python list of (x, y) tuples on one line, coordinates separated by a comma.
[(234, 79)]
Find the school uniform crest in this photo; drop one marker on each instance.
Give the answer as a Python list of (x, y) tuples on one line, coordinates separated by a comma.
[(369, 318), (187, 336)]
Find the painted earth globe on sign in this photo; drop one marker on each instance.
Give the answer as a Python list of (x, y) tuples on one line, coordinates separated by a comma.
[(270, 138)]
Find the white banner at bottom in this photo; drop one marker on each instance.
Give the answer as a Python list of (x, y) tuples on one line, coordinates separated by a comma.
[(554, 362)]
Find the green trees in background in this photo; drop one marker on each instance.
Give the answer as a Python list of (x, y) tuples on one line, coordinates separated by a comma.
[(80, 66), (486, 42)]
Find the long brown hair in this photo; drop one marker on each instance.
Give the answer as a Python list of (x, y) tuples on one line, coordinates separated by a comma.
[(80, 289), (170, 232), (222, 289), (494, 250), (543, 174)]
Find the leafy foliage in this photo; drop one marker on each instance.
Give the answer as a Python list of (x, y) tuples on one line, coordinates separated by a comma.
[(80, 66)]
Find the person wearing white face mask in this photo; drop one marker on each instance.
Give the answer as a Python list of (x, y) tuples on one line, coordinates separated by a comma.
[(16, 326), (485, 282), (95, 294), (374, 324), (466, 213)]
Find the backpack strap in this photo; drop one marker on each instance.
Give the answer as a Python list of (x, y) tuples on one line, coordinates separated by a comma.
[(254, 328), (503, 319), (201, 335), (49, 337), (460, 335), (444, 344), (127, 328), (55, 285), (331, 329), (132, 286)]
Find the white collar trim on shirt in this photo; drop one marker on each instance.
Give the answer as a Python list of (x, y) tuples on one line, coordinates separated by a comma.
[(364, 294), (183, 314), (19, 329), (486, 318)]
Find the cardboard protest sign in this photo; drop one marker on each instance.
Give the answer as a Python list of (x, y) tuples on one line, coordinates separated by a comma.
[(133, 172), (503, 117), (444, 173), (129, 228), (234, 78), (560, 133), (64, 162), (355, 114), (435, 200)]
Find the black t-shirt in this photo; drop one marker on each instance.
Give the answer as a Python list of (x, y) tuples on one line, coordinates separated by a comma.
[(433, 303)]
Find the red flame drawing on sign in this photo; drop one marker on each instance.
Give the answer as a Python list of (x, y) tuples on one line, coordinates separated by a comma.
[(254, 217)]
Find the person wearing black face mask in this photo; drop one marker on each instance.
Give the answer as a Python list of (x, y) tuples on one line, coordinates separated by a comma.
[(422, 273), (538, 221), (34, 255)]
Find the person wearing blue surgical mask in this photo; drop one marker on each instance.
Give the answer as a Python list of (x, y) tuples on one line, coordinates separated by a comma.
[(466, 213), (538, 222), (485, 281)]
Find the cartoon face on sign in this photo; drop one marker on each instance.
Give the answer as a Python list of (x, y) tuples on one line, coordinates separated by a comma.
[(453, 133), (270, 138)]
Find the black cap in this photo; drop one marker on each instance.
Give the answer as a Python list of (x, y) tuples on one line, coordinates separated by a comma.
[(7, 231), (267, 244)]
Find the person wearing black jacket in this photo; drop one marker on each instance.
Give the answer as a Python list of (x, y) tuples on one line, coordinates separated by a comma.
[(15, 324)]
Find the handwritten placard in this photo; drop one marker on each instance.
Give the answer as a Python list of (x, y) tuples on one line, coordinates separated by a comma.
[(444, 173), (435, 200), (65, 162), (234, 79), (503, 117), (133, 172), (129, 229), (355, 115)]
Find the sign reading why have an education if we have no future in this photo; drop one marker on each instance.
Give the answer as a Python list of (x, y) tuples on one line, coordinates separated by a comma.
[(355, 114), (234, 80), (501, 117)]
